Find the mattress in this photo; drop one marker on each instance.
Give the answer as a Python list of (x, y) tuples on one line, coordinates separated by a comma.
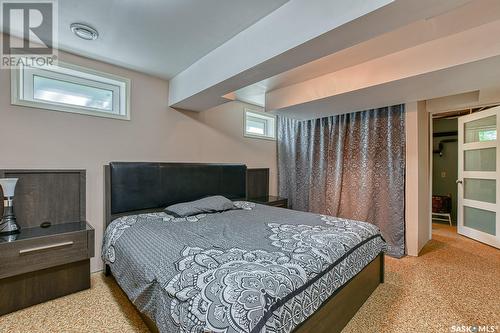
[(253, 269)]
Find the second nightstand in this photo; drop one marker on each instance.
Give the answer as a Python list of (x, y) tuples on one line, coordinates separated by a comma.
[(271, 200)]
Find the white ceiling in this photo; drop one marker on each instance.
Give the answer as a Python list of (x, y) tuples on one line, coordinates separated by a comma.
[(300, 32), (473, 14), (159, 37), (480, 76)]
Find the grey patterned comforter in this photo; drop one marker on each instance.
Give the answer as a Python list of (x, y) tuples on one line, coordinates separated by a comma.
[(255, 269)]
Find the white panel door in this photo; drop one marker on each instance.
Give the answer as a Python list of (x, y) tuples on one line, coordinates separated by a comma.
[(478, 170)]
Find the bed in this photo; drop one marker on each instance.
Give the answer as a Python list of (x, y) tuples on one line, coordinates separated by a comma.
[(252, 268)]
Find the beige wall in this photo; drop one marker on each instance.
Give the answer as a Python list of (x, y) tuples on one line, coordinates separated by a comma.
[(34, 138), (417, 195), (222, 140)]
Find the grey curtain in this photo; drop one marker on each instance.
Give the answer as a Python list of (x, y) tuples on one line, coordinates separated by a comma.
[(350, 166)]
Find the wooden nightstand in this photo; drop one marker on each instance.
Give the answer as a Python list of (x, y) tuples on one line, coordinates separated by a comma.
[(271, 200), (40, 264)]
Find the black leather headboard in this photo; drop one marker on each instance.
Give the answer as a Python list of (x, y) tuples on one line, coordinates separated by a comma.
[(136, 186)]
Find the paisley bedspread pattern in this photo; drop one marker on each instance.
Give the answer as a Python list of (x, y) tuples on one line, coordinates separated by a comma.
[(271, 279), (234, 290), (118, 226)]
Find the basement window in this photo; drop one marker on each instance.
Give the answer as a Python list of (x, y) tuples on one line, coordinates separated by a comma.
[(70, 88), (260, 125)]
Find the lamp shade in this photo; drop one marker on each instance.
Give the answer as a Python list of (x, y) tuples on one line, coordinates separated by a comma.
[(8, 186)]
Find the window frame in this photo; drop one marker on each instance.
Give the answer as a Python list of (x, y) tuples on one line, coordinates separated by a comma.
[(262, 115), (20, 86)]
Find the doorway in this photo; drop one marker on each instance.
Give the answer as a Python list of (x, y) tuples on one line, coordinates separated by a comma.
[(445, 169), (465, 173)]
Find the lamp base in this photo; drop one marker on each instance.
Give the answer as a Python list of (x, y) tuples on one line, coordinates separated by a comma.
[(9, 227)]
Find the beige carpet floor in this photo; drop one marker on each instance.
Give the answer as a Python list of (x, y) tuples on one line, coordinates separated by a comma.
[(456, 281)]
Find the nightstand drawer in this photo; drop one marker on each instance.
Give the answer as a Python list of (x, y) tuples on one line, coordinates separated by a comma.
[(42, 252)]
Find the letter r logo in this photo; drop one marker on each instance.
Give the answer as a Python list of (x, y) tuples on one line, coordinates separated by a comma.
[(29, 26)]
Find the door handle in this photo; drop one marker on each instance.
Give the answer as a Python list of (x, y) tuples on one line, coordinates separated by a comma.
[(458, 181)]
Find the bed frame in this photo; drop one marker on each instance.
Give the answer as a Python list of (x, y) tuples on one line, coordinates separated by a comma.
[(139, 187)]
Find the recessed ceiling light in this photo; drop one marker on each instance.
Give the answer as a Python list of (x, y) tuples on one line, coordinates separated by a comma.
[(84, 31)]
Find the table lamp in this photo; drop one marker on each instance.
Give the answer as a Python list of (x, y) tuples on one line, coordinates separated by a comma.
[(8, 223)]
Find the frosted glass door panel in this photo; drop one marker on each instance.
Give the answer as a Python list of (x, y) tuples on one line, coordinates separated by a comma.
[(480, 189), (480, 219), (481, 130), (480, 159)]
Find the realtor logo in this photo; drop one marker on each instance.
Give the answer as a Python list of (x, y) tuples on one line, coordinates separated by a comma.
[(29, 33)]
